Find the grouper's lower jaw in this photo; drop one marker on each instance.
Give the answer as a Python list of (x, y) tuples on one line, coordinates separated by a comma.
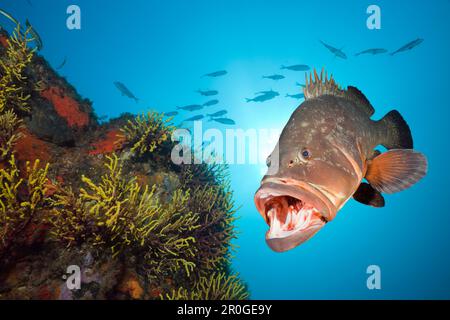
[(294, 239), (294, 212)]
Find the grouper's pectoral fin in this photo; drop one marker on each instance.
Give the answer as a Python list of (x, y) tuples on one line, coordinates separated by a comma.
[(369, 196), (396, 170)]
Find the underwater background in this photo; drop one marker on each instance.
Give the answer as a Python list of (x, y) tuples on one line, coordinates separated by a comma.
[(161, 49)]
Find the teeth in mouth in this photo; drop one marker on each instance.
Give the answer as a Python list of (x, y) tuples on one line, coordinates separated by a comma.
[(296, 217), (288, 218), (274, 222)]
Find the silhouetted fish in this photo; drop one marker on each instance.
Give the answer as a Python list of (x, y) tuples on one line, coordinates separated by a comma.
[(216, 74), (191, 107), (263, 92), (372, 51), (274, 77), (335, 51), (194, 118), (125, 91), (408, 46), (211, 103), (171, 113), (267, 92), (268, 95), (224, 121), (208, 93), (299, 84), (217, 114), (62, 64), (296, 67), (295, 96)]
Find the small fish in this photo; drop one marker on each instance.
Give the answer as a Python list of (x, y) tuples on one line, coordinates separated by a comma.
[(171, 113), (211, 103), (295, 96), (335, 51), (216, 74), (275, 77), (325, 151), (296, 67), (408, 46), (125, 91), (194, 118), (8, 16), (29, 2), (62, 64), (208, 93), (266, 92), (191, 107), (224, 121), (103, 117), (264, 97), (299, 84), (37, 39), (217, 114), (373, 51)]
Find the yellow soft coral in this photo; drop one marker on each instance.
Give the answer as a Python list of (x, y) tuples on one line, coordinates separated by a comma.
[(217, 286), (20, 198), (145, 133), (12, 89), (12, 65), (118, 213), (9, 125), (215, 207)]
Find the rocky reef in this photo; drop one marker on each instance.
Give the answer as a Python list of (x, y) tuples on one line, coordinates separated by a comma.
[(105, 198)]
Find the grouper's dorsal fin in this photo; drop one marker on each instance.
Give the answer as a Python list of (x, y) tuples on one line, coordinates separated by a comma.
[(360, 99), (317, 86)]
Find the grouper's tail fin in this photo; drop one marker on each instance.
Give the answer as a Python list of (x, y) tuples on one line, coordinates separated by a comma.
[(398, 135)]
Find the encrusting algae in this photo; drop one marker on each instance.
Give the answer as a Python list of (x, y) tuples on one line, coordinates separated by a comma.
[(137, 225)]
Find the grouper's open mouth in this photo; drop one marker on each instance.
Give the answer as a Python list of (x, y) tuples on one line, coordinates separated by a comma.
[(294, 212)]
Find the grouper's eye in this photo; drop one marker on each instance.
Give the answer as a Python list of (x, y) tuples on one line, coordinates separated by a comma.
[(304, 155)]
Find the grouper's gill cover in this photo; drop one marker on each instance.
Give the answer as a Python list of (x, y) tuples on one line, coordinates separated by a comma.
[(324, 152)]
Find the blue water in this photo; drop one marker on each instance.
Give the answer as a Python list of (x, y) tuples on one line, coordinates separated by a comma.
[(160, 49)]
